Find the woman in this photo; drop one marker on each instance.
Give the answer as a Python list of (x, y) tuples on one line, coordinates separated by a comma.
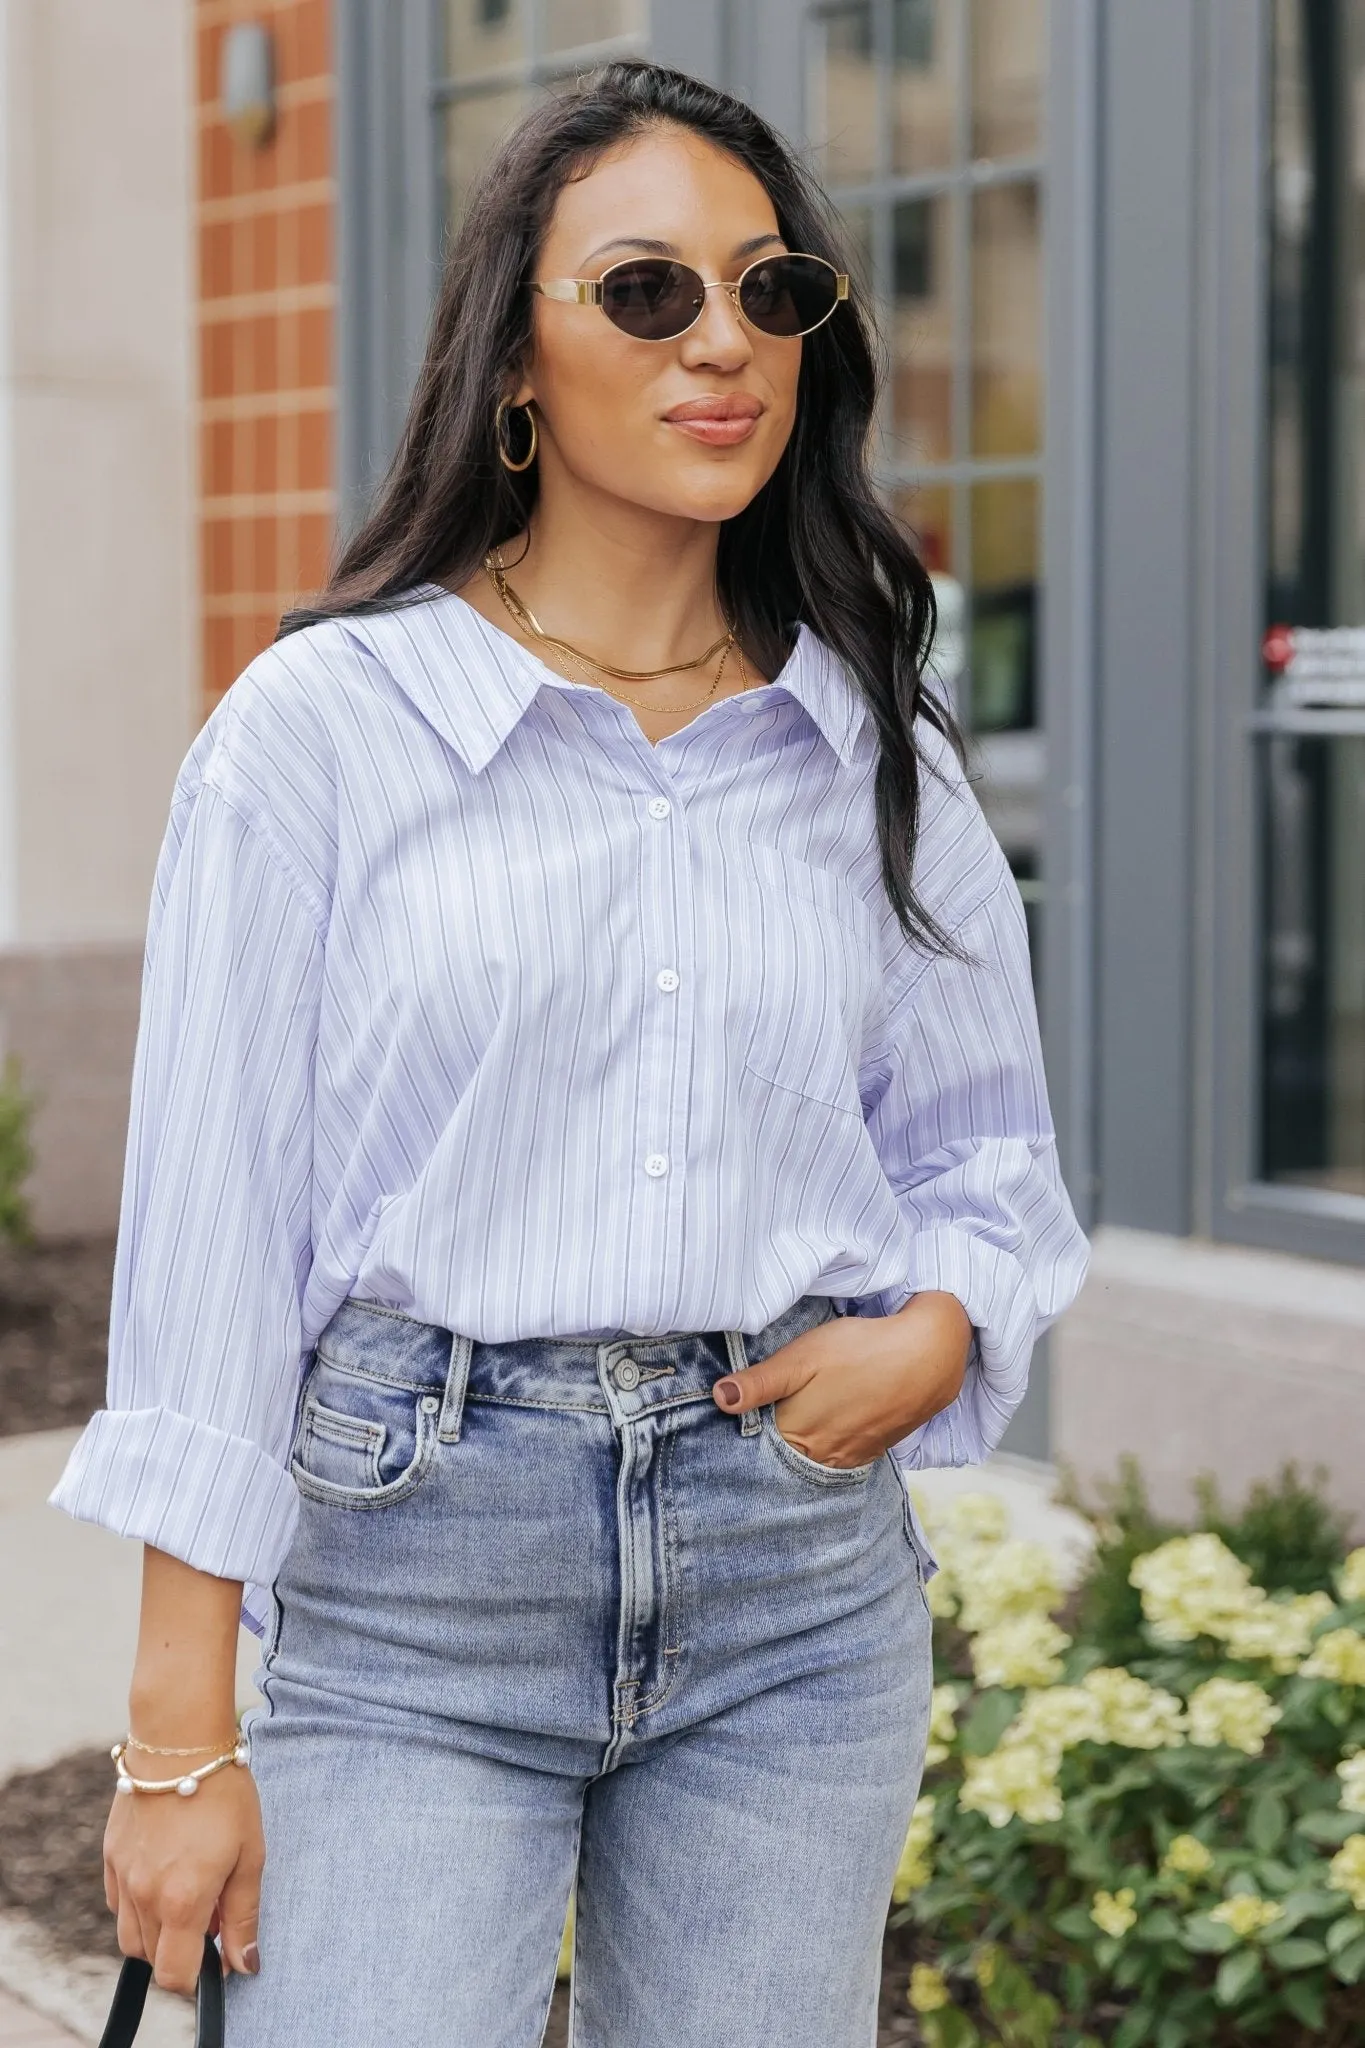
[(588, 1142)]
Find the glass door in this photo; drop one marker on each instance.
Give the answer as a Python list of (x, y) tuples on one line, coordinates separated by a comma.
[(1311, 725)]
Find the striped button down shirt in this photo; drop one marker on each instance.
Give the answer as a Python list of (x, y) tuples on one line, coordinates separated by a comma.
[(461, 996)]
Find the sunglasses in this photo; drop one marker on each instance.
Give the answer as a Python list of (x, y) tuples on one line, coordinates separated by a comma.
[(654, 299)]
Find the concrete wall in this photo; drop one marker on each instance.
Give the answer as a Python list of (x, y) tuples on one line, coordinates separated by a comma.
[(99, 685), (1207, 1358)]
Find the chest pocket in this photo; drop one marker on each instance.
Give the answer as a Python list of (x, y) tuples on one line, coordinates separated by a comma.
[(806, 981)]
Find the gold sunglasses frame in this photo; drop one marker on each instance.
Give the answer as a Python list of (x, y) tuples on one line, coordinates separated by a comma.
[(587, 291)]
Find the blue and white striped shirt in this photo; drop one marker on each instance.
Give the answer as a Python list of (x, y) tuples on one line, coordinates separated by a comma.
[(461, 996)]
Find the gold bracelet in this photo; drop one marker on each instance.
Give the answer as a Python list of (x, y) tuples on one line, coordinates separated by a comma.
[(130, 1741), (186, 1786)]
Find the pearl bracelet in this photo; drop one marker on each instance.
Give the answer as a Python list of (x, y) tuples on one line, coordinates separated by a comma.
[(186, 1786)]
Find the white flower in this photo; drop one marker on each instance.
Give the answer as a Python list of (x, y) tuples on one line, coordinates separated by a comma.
[(1187, 1856), (1232, 1710), (1193, 1586), (1020, 1780), (1339, 1655), (1351, 1771), (1024, 1651), (1115, 1912), (1057, 1718), (1278, 1632), (1351, 1577), (942, 1727), (1135, 1715), (1009, 1579), (915, 1867), (1346, 1872), (1245, 1914)]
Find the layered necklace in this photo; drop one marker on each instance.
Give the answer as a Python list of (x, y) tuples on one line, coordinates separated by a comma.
[(597, 671)]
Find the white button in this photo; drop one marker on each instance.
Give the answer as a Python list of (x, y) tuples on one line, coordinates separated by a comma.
[(667, 979), (659, 807), (656, 1164), (627, 1373), (430, 1404)]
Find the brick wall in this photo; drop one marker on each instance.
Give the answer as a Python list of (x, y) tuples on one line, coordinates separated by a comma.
[(266, 401)]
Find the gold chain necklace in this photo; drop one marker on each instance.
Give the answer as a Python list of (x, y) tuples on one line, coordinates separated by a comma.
[(527, 619), (659, 710)]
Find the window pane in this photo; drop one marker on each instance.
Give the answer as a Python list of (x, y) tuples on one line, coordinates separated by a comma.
[(1313, 962), (1006, 321), (1002, 641), (922, 329), (571, 23), (1007, 77), (474, 128), (842, 95), (926, 513), (925, 85), (482, 33)]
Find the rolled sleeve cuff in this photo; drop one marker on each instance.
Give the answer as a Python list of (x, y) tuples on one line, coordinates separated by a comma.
[(213, 1500), (998, 1296)]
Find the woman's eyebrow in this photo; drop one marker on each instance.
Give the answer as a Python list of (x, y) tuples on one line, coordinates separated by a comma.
[(657, 248)]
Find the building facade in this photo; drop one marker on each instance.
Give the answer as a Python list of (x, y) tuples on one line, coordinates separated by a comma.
[(1118, 253)]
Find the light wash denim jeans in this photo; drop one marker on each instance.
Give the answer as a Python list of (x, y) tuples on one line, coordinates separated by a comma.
[(549, 1611)]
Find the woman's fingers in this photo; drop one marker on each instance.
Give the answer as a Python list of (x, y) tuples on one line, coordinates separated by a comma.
[(239, 1911), (771, 1380), (130, 1939)]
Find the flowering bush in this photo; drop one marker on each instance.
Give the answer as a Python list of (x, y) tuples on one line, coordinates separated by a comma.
[(1165, 1850)]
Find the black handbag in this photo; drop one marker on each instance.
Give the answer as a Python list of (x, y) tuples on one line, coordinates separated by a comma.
[(130, 1995)]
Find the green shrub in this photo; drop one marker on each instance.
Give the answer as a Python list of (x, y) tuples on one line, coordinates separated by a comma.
[(16, 1153), (1163, 1852)]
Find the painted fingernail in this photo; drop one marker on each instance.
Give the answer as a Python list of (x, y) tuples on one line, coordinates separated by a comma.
[(728, 1393), (251, 1957)]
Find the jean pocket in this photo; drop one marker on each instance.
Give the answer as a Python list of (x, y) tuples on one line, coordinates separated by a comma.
[(810, 1469), (362, 1443)]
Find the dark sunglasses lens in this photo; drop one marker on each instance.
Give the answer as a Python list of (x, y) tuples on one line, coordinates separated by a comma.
[(652, 299), (788, 294)]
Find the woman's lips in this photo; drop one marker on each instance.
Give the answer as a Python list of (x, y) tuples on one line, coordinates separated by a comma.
[(716, 422)]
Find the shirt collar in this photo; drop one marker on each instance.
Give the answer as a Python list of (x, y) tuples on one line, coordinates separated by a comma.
[(473, 683)]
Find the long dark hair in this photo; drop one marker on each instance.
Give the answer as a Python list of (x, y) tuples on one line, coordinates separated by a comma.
[(816, 544)]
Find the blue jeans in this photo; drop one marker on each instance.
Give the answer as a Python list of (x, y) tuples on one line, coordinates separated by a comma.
[(550, 1614)]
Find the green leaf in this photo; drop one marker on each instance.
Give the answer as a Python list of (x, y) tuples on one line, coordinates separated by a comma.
[(949, 2028), (1076, 1924), (1160, 1925), (1172, 2033), (1342, 1933), (1296, 1954), (1134, 2028), (1307, 1904), (1305, 1998), (987, 1721), (1349, 1964), (1331, 1829), (1208, 1937), (1266, 1822), (1238, 1974)]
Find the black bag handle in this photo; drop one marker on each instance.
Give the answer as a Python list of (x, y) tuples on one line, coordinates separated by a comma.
[(130, 1995)]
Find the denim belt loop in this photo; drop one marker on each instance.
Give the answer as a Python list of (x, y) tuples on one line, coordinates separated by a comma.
[(457, 1380), (751, 1422)]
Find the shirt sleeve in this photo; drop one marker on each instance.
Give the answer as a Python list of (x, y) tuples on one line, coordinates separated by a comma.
[(214, 1240), (964, 1134)]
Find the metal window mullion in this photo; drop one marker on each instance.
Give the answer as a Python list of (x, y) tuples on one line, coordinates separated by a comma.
[(960, 228), (535, 70), (1018, 170)]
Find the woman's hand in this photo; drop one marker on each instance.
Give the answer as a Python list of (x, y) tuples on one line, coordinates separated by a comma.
[(177, 1869), (850, 1388)]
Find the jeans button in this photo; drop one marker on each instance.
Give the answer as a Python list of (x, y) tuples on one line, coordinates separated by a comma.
[(627, 1374)]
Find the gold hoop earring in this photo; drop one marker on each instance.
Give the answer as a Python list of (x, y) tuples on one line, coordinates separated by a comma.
[(504, 407)]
